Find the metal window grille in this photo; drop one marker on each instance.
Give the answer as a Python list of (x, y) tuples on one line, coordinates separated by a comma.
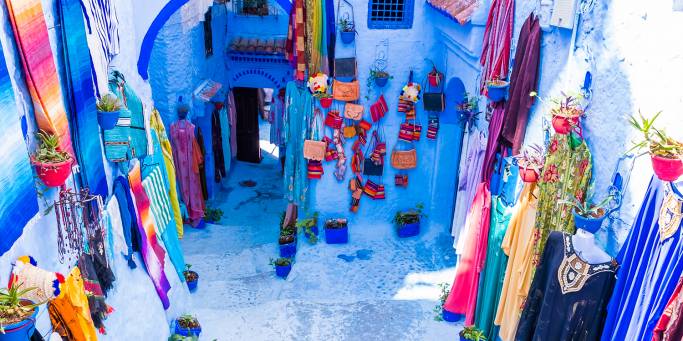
[(390, 14)]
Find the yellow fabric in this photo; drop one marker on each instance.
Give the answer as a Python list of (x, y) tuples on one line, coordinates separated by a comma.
[(158, 126), (518, 245), (70, 313)]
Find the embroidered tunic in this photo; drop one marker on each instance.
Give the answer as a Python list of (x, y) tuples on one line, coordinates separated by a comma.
[(566, 174), (299, 111), (187, 158), (568, 296), (651, 264)]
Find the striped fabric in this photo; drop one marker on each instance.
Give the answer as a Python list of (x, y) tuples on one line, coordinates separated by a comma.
[(40, 72), (81, 97), (299, 30), (495, 54), (103, 37)]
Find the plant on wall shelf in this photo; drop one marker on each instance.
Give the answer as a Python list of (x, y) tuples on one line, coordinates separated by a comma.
[(347, 30), (666, 153)]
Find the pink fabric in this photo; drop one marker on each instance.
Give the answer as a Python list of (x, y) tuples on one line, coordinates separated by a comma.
[(187, 158), (233, 123), (495, 54), (463, 296)]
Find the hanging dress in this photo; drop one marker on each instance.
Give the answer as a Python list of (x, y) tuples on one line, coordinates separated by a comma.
[(670, 325), (187, 158), (566, 175), (651, 264), (518, 273), (568, 296), (70, 312), (299, 107), (463, 296)]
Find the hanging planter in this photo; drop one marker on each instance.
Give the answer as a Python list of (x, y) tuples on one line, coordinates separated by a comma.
[(665, 152), (528, 175), (496, 90), (434, 77), (326, 102), (589, 223), (587, 215), (347, 30), (379, 77), (336, 231), (282, 266), (530, 162), (563, 124), (408, 223), (52, 166), (108, 111), (18, 316), (191, 278), (187, 325)]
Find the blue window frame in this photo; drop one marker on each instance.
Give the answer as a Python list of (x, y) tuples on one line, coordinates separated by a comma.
[(390, 14)]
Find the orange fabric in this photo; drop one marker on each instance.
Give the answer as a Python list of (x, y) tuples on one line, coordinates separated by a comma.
[(70, 313)]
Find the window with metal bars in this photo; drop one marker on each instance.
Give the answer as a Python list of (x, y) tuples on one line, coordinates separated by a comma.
[(390, 14)]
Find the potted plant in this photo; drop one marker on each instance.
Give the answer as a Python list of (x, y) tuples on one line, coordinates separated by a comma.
[(191, 277), (17, 315), (310, 227), (347, 30), (407, 223), (282, 265), (187, 325), (318, 83), (530, 162), (468, 110), (434, 77), (587, 215), (441, 313), (52, 165), (287, 239), (665, 152), (379, 77), (177, 337), (325, 99), (472, 333), (336, 231), (496, 89), (108, 110), (212, 215)]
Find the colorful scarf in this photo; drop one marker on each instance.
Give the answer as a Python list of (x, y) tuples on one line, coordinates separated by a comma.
[(103, 37), (152, 252), (495, 53), (94, 292), (70, 313), (40, 72), (187, 158), (81, 96)]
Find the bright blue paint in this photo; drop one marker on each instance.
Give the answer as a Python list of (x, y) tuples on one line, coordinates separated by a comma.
[(148, 41)]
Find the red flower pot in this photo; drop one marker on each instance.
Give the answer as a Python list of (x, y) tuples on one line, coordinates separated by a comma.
[(434, 79), (563, 125), (667, 169), (326, 102), (528, 174), (53, 174)]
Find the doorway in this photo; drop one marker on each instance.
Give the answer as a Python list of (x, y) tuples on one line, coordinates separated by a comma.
[(248, 105)]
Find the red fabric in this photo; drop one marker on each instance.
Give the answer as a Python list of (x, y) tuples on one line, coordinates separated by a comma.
[(670, 324), (495, 54)]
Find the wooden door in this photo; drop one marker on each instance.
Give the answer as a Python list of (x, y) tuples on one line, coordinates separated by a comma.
[(247, 107)]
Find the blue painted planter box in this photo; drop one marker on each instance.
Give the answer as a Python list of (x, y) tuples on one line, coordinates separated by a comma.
[(347, 37), (288, 250), (409, 230), (497, 93), (337, 235), (108, 120), (192, 285), (381, 81), (283, 270), (20, 331), (187, 332), (450, 317), (591, 225)]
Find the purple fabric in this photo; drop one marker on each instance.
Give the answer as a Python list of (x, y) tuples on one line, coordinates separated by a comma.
[(524, 79), (492, 146)]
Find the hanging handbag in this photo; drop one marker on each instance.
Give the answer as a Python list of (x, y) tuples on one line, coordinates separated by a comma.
[(346, 91), (433, 127), (401, 180), (330, 151), (353, 111), (365, 125), (350, 131), (417, 132), (379, 108), (315, 169), (406, 132), (315, 150), (370, 167), (404, 159), (370, 188), (345, 67), (380, 193), (333, 120)]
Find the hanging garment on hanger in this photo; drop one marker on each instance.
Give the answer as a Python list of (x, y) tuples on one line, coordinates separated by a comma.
[(299, 107), (495, 52), (493, 145), (517, 245), (186, 157), (651, 263), (199, 146), (131, 102), (103, 37), (70, 313), (568, 296), (219, 171)]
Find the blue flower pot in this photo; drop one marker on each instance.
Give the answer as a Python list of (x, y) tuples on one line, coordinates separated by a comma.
[(497, 93), (187, 332), (283, 270), (20, 331), (337, 236), (409, 230), (192, 285), (381, 81), (591, 225), (348, 37), (449, 317), (108, 120), (288, 250)]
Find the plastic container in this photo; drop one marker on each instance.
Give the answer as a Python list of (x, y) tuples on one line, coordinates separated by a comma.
[(283, 270), (528, 175), (108, 119), (497, 93), (667, 169), (381, 81), (337, 235), (449, 317), (288, 250), (20, 331), (314, 231), (563, 125), (409, 230), (53, 174), (187, 332), (326, 102), (347, 37), (591, 225)]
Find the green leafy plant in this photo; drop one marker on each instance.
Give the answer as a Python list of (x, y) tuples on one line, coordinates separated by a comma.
[(409, 217), (282, 261), (187, 321), (307, 225), (13, 308), (337, 223), (213, 215), (565, 105), (587, 208), (178, 337), (47, 151), (108, 103), (189, 274), (532, 156), (656, 141), (438, 309), (496, 82), (346, 25), (321, 95), (472, 333)]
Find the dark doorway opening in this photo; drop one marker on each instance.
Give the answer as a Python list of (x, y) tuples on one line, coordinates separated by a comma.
[(247, 106)]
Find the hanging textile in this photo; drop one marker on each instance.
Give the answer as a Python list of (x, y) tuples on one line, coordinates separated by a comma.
[(70, 313), (316, 44), (331, 28), (651, 263), (523, 80), (458, 10), (186, 156), (469, 177), (568, 296), (462, 299), (299, 108), (19, 202), (81, 96), (232, 111), (157, 188), (129, 221), (566, 175), (517, 245), (152, 252), (495, 53), (670, 325), (103, 37), (225, 138), (40, 72), (219, 171), (199, 146), (493, 145), (295, 46), (131, 103), (94, 292), (158, 130)]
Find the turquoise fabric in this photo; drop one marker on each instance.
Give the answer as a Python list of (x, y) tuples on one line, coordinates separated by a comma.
[(299, 112)]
